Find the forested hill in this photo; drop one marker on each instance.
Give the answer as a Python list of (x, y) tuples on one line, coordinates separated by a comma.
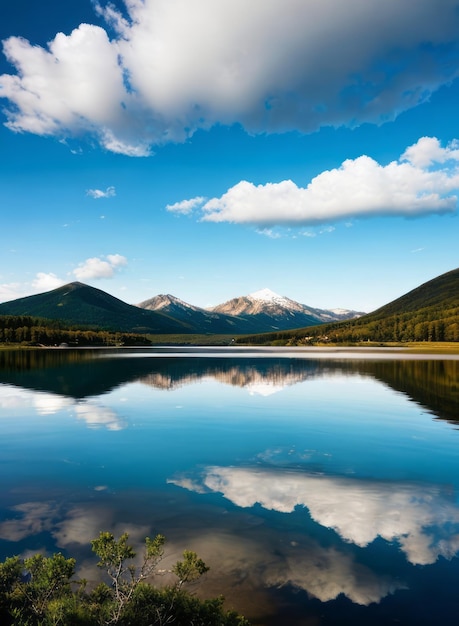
[(428, 313), (77, 304)]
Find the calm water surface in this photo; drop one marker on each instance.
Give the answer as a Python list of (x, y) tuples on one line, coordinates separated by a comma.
[(320, 488)]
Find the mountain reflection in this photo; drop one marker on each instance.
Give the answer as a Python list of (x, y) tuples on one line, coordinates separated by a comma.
[(423, 519), (434, 384)]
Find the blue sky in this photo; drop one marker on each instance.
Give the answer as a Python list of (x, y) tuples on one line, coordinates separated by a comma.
[(212, 148)]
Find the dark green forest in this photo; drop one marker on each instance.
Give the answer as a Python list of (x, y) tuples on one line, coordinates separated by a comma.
[(33, 331), (425, 314)]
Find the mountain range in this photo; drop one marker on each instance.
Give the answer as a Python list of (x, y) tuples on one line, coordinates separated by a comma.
[(78, 304), (263, 310), (428, 313)]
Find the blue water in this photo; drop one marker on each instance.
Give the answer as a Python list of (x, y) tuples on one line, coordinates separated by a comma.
[(318, 493)]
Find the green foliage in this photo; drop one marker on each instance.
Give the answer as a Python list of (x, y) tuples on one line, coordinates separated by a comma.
[(114, 558), (190, 569), (76, 304), (34, 591), (26, 330), (426, 314), (41, 591), (175, 606)]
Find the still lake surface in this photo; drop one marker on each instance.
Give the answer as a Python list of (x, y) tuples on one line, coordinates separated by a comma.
[(321, 488)]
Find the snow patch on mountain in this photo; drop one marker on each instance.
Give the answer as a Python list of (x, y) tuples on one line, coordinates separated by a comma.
[(266, 295), (264, 308)]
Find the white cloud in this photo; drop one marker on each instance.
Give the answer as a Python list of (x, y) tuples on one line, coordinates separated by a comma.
[(110, 192), (96, 267), (42, 282), (421, 518), (269, 232), (175, 66), (428, 151), (423, 181), (116, 260), (186, 206), (92, 268), (46, 282), (11, 291)]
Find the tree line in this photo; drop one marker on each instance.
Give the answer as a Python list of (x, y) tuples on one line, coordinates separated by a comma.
[(33, 331), (435, 324)]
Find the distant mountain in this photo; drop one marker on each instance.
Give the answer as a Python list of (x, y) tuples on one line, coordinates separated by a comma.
[(258, 312), (428, 313), (202, 320), (269, 308), (81, 305)]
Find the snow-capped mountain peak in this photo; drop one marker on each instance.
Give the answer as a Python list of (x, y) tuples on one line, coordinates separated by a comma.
[(266, 295), (262, 311)]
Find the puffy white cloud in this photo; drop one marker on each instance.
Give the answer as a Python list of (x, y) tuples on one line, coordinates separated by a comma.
[(117, 260), (428, 151), (11, 291), (92, 268), (96, 267), (421, 518), (177, 65), (423, 181), (46, 282), (185, 206), (110, 192)]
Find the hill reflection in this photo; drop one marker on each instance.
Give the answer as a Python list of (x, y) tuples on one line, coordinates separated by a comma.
[(434, 384)]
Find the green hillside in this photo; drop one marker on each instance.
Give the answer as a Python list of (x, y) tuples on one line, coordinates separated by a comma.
[(428, 313), (77, 304)]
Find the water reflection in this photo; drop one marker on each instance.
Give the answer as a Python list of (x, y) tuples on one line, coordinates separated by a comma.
[(307, 484), (97, 416), (247, 561), (423, 519), (434, 384), (91, 411)]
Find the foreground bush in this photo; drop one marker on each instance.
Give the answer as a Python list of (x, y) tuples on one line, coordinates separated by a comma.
[(42, 591)]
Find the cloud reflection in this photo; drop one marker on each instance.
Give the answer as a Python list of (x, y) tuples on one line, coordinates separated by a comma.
[(248, 563), (325, 573), (97, 416), (422, 518), (245, 563), (31, 518), (94, 414), (77, 525), (49, 404)]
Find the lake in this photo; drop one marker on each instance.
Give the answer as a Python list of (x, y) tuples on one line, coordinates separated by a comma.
[(321, 487)]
